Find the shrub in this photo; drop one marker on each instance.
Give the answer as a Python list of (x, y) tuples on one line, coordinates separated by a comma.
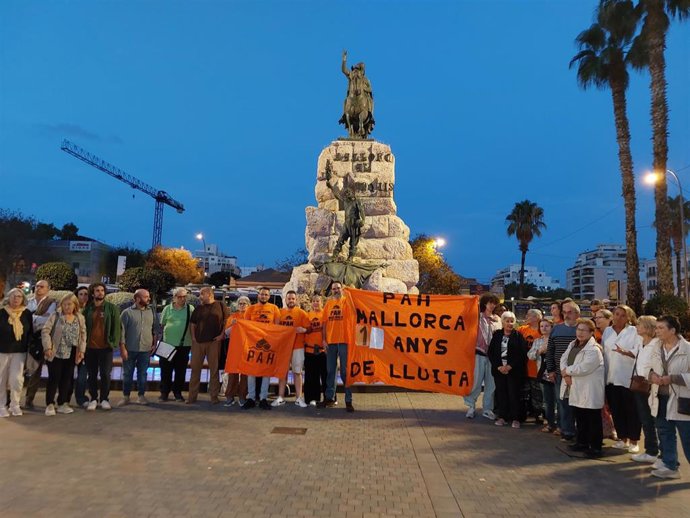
[(669, 305), (122, 299), (60, 276), (156, 281)]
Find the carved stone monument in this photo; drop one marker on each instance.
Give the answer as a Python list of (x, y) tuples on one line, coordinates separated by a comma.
[(368, 168), (356, 175)]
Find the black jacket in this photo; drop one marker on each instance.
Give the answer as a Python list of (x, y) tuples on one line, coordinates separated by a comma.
[(517, 353), (8, 343)]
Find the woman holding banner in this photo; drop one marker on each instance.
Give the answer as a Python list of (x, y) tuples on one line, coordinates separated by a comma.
[(314, 355), (508, 356)]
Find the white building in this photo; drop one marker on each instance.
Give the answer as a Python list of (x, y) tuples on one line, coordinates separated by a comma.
[(599, 274), (649, 276), (533, 275), (212, 261)]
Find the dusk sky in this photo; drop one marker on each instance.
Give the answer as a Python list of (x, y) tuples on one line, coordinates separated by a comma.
[(227, 105)]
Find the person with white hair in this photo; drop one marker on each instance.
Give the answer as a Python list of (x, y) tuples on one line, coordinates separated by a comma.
[(16, 331), (508, 356)]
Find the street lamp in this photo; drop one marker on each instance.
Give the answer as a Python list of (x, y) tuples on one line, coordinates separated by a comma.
[(201, 238), (439, 242), (652, 179)]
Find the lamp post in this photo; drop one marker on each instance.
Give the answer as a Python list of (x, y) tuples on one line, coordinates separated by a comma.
[(201, 238), (204, 258), (652, 178)]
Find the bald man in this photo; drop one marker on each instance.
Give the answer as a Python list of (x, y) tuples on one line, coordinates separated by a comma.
[(140, 329)]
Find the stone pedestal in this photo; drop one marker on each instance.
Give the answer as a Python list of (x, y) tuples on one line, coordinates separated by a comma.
[(368, 167)]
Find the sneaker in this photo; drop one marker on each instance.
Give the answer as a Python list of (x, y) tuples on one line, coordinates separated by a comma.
[(92, 405), (620, 445), (567, 438), (634, 448), (278, 402), (666, 473), (65, 409), (250, 403), (658, 464), (105, 405), (643, 457), (4, 412), (179, 398), (300, 402), (28, 405), (123, 402), (229, 402), (499, 422), (312, 402), (163, 399), (515, 424), (50, 409), (215, 401), (15, 411), (85, 405), (489, 414), (348, 407), (470, 413), (141, 400), (264, 404), (327, 403)]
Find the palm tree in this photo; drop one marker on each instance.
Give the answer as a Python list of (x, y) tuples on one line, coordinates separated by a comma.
[(677, 233), (656, 23), (602, 62), (525, 221)]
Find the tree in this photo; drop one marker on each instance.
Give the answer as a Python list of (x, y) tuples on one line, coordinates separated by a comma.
[(602, 62), (653, 39), (177, 262), (219, 278), (69, 231), (660, 305), (677, 232), (525, 221), (135, 258), (288, 263), (60, 276), (157, 282), (435, 275)]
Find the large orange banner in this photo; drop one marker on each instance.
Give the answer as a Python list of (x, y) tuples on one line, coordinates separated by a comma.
[(259, 349), (421, 342)]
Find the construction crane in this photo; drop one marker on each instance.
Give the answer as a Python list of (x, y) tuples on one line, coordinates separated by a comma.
[(161, 197)]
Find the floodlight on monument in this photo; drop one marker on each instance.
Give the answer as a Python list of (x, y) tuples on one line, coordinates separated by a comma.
[(439, 242)]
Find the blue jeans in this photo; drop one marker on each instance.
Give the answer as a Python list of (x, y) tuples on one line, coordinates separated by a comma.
[(549, 392), (140, 360), (667, 436), (566, 417), (651, 443), (482, 374), (80, 385), (334, 352), (251, 387)]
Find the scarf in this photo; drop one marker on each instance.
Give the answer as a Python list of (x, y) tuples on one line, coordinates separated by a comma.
[(15, 321)]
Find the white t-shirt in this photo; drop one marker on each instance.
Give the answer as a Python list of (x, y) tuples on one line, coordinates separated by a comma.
[(619, 366)]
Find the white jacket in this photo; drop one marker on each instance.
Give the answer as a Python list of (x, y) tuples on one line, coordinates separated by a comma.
[(679, 364), (618, 366), (587, 371)]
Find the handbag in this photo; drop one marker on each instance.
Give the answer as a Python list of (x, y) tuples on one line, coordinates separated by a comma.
[(684, 405), (639, 383)]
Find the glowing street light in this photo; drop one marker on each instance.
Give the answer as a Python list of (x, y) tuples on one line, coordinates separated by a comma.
[(439, 242), (652, 178), (201, 238)]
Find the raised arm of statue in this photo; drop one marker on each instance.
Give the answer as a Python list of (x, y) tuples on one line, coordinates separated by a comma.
[(344, 65), (328, 173)]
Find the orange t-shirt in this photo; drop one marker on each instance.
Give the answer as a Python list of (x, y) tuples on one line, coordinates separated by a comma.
[(530, 335), (267, 313), (295, 317), (237, 315), (333, 321), (314, 338)]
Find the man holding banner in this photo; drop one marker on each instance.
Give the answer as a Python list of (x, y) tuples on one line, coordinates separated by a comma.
[(267, 313), (293, 316), (488, 323), (334, 340)]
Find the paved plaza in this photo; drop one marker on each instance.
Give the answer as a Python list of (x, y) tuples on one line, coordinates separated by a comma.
[(399, 454)]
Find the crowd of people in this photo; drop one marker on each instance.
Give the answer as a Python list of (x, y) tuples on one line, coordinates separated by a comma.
[(81, 332), (614, 375), (615, 372)]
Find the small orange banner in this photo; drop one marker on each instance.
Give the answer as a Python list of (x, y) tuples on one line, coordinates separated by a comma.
[(421, 342), (259, 349)]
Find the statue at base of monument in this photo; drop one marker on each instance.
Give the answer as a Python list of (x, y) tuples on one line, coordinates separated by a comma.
[(358, 113), (354, 215)]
